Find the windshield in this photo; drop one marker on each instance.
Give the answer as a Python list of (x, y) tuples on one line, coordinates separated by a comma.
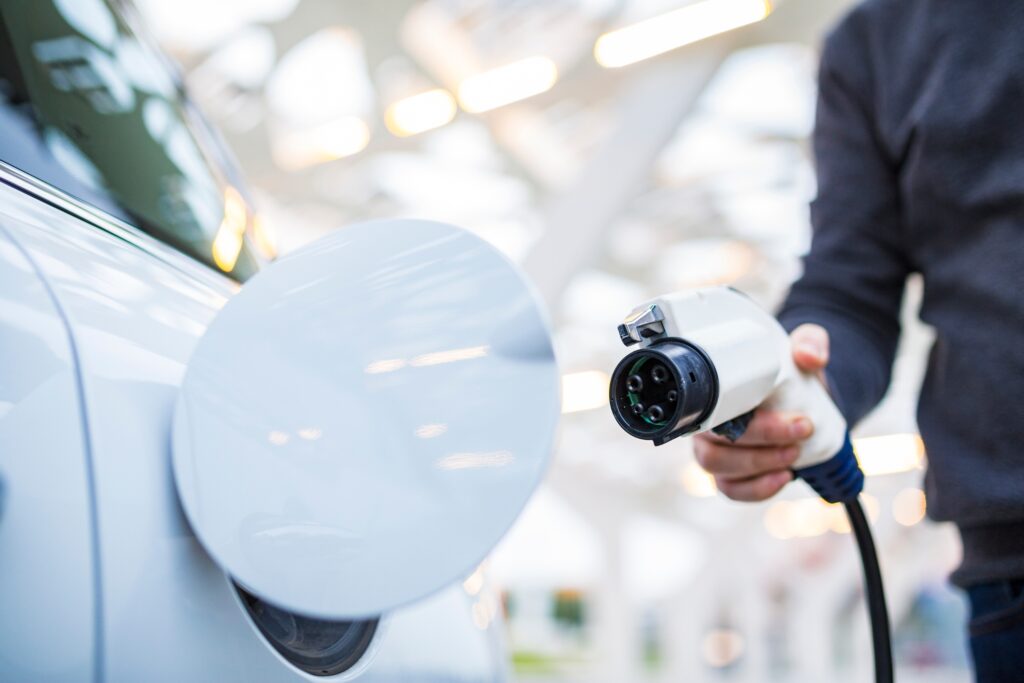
[(88, 107)]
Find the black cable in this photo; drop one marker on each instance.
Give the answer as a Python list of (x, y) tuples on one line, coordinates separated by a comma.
[(874, 592)]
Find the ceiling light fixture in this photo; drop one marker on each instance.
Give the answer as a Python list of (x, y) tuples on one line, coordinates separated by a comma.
[(420, 113), (507, 84), (585, 390), (300, 148), (669, 31)]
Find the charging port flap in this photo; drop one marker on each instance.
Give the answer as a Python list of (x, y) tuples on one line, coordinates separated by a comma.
[(364, 420)]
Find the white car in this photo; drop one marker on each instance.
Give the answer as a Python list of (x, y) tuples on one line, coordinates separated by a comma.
[(202, 480)]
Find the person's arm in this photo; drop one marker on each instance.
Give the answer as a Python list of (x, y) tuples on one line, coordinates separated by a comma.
[(855, 273), (853, 278)]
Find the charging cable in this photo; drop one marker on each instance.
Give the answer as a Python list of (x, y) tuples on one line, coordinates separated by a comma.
[(874, 592)]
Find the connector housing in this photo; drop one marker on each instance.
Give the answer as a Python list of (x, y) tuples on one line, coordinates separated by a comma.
[(664, 390)]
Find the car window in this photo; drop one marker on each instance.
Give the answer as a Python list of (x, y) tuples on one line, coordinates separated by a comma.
[(90, 108)]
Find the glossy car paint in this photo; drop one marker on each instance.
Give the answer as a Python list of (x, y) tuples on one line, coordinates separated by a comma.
[(344, 441), (135, 310), (47, 578)]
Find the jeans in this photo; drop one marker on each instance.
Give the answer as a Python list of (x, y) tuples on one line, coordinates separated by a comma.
[(997, 631)]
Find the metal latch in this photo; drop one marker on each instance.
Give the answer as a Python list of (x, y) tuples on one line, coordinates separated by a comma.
[(641, 324)]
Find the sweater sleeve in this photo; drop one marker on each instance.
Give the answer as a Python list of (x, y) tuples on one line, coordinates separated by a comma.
[(855, 272)]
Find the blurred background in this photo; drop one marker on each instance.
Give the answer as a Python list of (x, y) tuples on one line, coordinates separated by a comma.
[(613, 162)]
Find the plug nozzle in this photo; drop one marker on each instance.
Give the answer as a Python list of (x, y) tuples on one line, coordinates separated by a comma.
[(663, 390)]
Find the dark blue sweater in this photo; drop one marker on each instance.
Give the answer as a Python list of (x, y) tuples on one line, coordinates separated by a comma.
[(919, 146)]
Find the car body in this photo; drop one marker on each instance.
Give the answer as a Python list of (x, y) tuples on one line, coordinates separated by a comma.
[(102, 305)]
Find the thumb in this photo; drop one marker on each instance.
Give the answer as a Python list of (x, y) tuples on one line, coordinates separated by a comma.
[(810, 347)]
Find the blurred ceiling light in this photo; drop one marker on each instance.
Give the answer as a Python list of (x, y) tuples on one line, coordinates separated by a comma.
[(809, 517), (585, 390), (909, 507), (301, 148), (804, 518), (837, 520), (776, 520), (227, 243), (264, 237), (696, 481), (871, 506), (722, 647), (507, 84), (674, 29), (419, 113), (889, 454)]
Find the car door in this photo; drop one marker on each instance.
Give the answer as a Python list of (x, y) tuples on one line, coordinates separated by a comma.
[(48, 569)]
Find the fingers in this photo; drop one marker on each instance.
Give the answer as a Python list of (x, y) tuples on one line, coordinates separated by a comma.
[(742, 462), (756, 466), (769, 428), (756, 488), (810, 347)]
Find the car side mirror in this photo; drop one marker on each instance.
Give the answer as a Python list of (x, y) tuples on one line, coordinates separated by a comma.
[(364, 420)]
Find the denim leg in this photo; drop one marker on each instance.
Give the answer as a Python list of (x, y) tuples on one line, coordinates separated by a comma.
[(997, 631)]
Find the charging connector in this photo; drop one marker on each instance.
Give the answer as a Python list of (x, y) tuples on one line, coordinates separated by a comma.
[(664, 390), (705, 360)]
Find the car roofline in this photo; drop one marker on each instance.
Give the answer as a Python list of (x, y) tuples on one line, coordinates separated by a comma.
[(45, 192)]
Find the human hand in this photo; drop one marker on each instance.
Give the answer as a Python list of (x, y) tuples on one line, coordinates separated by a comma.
[(757, 465)]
